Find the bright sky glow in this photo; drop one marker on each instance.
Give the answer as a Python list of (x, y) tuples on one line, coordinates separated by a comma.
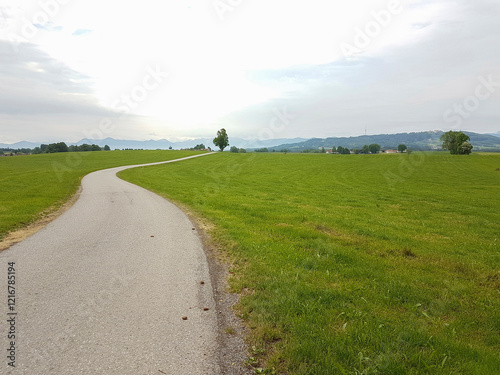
[(186, 68)]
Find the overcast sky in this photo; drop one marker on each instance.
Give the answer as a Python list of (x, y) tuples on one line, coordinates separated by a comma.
[(264, 69)]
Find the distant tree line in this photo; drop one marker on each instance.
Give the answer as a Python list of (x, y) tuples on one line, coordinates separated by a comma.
[(314, 151), (201, 146), (12, 152), (263, 149), (63, 147), (237, 150), (366, 149), (341, 150), (371, 149)]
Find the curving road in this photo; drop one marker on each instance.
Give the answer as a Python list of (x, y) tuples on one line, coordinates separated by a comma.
[(104, 288)]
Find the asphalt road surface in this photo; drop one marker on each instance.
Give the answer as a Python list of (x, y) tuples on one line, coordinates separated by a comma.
[(104, 289)]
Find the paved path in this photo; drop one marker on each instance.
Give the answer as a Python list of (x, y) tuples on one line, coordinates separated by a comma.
[(103, 289)]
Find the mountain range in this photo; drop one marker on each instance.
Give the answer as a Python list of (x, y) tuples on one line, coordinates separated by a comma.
[(424, 141), (416, 141), (161, 143)]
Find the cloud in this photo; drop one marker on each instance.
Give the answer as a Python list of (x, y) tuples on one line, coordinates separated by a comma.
[(32, 82), (408, 87), (81, 32), (264, 58), (41, 98), (48, 26)]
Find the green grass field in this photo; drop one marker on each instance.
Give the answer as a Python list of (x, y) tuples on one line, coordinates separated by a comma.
[(355, 264), (35, 184)]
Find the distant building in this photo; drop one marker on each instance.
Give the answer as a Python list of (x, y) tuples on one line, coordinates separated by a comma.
[(391, 151)]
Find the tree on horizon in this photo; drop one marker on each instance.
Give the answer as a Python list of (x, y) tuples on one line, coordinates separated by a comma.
[(222, 140), (456, 142)]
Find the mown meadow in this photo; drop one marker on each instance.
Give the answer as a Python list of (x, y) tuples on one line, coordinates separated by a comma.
[(31, 186), (354, 264)]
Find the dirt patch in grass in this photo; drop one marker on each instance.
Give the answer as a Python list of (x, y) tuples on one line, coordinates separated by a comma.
[(45, 218)]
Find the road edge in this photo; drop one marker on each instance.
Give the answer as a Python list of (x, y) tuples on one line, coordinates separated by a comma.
[(232, 331), (233, 351), (47, 216), (52, 213)]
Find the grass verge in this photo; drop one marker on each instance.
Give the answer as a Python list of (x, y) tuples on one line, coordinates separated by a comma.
[(31, 187), (356, 264)]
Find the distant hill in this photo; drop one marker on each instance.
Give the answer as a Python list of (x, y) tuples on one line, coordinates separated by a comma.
[(416, 141), (497, 134), (165, 144), (423, 141), (18, 145)]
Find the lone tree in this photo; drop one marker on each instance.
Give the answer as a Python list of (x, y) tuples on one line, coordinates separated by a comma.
[(374, 148), (402, 148), (466, 148), (222, 140), (199, 147), (457, 143), (56, 147)]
